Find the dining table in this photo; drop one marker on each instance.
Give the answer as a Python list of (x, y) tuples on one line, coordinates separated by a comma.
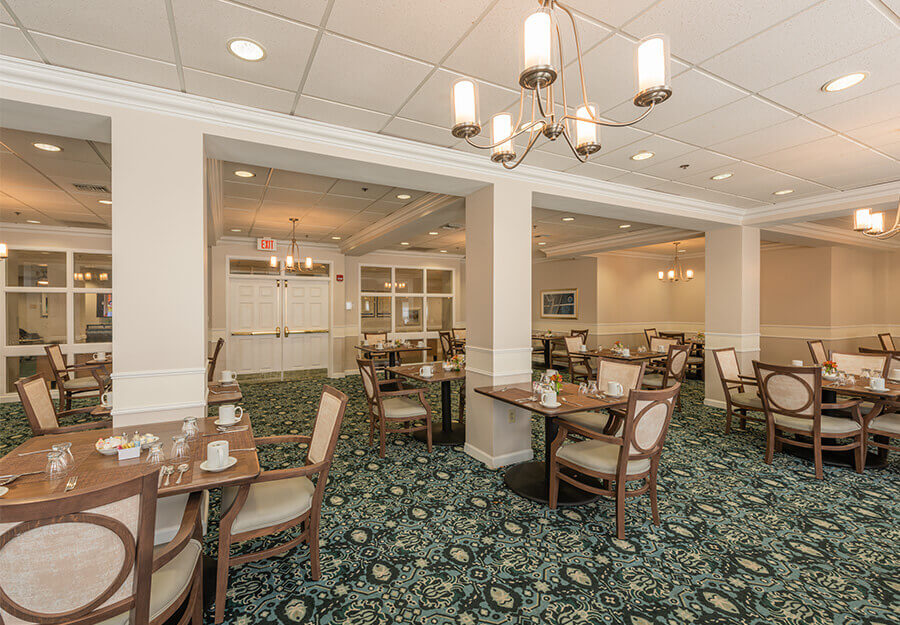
[(546, 339), (634, 356), (448, 433), (391, 351), (218, 393), (532, 479)]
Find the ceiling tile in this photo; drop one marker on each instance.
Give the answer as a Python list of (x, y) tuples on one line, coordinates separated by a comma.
[(340, 114), (546, 160), (97, 60), (593, 170), (243, 190), (822, 34), (242, 204), (134, 26), (309, 11), (356, 74), (425, 30), (431, 103), (611, 139), (752, 181), (662, 148), (237, 91), (384, 207), (638, 180), (862, 111), (205, 27), (417, 131), (698, 29), (292, 196), (363, 190), (14, 43), (804, 93), (327, 218), (343, 202), (5, 17), (612, 12), (884, 136), (697, 161), (301, 182), (685, 190), (784, 135), (727, 122)]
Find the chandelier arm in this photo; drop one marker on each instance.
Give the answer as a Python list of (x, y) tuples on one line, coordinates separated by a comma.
[(565, 133), (890, 232), (562, 77), (521, 131), (613, 124), (578, 54), (531, 143), (521, 107)]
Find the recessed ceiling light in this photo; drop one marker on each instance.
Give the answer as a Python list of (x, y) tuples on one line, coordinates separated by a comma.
[(33, 221), (243, 173), (724, 176), (404, 243), (443, 251), (642, 156), (681, 251), (623, 226), (235, 229), (542, 243), (246, 49), (568, 219), (47, 147), (404, 196), (105, 202), (783, 192), (844, 82), (335, 238), (432, 233)]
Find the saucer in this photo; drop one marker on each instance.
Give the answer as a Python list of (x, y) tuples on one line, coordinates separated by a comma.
[(231, 462), (877, 390), (614, 396), (554, 405), (3, 490), (829, 377), (227, 424), (427, 375)]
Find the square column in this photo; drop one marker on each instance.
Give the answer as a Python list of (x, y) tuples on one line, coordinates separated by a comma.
[(159, 269), (498, 320), (732, 301)]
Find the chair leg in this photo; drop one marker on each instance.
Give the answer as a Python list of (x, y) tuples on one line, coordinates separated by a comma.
[(727, 419), (743, 419), (620, 509), (313, 541), (197, 592), (554, 482), (222, 577), (382, 435), (860, 456), (770, 443), (428, 431), (817, 458), (371, 429)]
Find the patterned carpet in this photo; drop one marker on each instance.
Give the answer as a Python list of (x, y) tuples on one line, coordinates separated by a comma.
[(438, 539)]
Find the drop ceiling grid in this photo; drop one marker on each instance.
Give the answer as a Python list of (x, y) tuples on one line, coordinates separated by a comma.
[(731, 26)]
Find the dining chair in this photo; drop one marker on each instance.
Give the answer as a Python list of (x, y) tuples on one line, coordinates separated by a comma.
[(212, 360), (68, 386), (280, 499), (446, 339), (459, 334), (678, 336), (735, 387), (43, 417), (630, 455), (673, 372), (887, 341), (583, 334), (886, 425), (650, 333), (403, 405), (854, 364), (818, 351), (792, 401), (658, 341), (90, 558), (629, 375), (380, 361), (579, 365)]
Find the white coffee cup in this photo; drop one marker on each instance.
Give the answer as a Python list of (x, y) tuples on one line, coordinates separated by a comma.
[(99, 355), (796, 363), (106, 399), (217, 454), (877, 383), (626, 351), (229, 413), (426, 371), (895, 374), (548, 398), (421, 343), (379, 345), (227, 376), (582, 348), (614, 388)]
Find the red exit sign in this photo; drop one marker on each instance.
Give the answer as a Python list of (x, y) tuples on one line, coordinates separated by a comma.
[(265, 245)]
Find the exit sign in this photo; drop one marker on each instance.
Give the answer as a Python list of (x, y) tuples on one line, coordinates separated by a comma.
[(265, 245)]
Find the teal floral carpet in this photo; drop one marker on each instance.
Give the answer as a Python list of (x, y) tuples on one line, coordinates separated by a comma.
[(437, 539)]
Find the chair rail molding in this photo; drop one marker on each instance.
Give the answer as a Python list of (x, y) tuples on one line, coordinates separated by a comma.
[(740, 342)]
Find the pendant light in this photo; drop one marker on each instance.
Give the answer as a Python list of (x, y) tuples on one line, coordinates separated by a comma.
[(676, 273), (294, 253)]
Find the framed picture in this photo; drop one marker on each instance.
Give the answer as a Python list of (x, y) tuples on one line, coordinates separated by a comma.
[(562, 304)]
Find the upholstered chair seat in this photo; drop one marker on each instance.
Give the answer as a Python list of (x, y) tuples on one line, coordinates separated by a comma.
[(600, 456), (397, 407), (886, 423), (595, 421), (830, 425), (695, 360), (581, 369), (82, 383), (750, 399), (270, 503), (653, 379)]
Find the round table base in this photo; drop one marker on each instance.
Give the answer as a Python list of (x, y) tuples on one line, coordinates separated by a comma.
[(528, 480), (456, 435)]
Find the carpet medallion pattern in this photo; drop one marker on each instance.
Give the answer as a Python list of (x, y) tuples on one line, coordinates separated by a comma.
[(438, 539)]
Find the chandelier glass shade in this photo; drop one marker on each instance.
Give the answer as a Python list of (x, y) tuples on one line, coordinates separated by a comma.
[(676, 272), (542, 77), (873, 224)]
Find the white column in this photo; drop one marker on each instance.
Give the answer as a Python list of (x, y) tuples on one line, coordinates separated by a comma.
[(732, 300), (159, 256), (498, 320)]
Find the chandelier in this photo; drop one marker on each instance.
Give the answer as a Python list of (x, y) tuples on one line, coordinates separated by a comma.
[(676, 272), (294, 253), (537, 80), (872, 224)]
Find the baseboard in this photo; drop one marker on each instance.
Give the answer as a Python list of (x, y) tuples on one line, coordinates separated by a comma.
[(714, 403), (495, 462)]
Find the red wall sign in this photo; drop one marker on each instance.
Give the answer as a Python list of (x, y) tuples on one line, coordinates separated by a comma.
[(339, 277), (265, 245)]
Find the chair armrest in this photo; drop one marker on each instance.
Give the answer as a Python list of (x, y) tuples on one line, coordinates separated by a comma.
[(842, 405), (83, 409), (80, 427), (591, 434), (84, 365), (281, 439), (749, 378), (744, 381), (190, 524), (283, 474), (405, 391)]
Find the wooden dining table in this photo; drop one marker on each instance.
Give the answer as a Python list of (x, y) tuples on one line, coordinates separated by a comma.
[(532, 479), (448, 433), (392, 352), (218, 393), (634, 356), (547, 345)]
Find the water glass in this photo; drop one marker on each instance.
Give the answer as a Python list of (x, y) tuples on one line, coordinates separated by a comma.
[(592, 387), (535, 391), (582, 389), (156, 455), (56, 466), (60, 449), (190, 429), (66, 449), (180, 450)]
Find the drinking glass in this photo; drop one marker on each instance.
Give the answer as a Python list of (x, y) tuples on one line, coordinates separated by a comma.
[(582, 388), (60, 449), (66, 449), (535, 391), (592, 387), (180, 450), (156, 455), (189, 428), (56, 466)]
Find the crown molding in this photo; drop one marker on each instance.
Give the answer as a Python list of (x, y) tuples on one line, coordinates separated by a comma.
[(823, 206), (67, 230), (838, 236), (649, 236)]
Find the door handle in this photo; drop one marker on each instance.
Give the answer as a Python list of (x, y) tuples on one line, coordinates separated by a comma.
[(252, 333), (286, 331), (278, 331)]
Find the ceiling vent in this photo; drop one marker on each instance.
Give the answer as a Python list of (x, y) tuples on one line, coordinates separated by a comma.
[(452, 226), (91, 188)]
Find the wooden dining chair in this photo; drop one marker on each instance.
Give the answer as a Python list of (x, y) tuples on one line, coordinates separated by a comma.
[(673, 372), (459, 334), (579, 365), (447, 348), (740, 390), (280, 499), (615, 460), (817, 351), (582, 334), (69, 386), (380, 361), (212, 360), (854, 364), (629, 375), (657, 342), (887, 341), (678, 336), (34, 393), (792, 401), (402, 405), (650, 333)]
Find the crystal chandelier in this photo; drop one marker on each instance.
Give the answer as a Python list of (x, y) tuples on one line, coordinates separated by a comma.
[(872, 224), (676, 272), (537, 79)]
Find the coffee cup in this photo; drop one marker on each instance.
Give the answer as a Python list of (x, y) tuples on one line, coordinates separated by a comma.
[(548, 398), (227, 376), (421, 343), (217, 454), (229, 413), (379, 345), (614, 388), (582, 348), (877, 383), (895, 375), (100, 356), (426, 371), (106, 399), (446, 365), (796, 363), (626, 351), (661, 348)]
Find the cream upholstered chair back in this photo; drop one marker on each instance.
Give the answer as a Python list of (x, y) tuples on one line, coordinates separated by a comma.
[(628, 374), (656, 342), (327, 425), (38, 405), (728, 367), (817, 349), (647, 421), (82, 557), (853, 364), (649, 333), (57, 361), (582, 334), (894, 363), (369, 379), (375, 336), (887, 341), (573, 344), (790, 391), (676, 362), (459, 333)]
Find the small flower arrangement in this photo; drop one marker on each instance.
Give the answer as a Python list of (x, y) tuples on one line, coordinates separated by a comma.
[(618, 346), (829, 367), (458, 362), (701, 337), (555, 381)]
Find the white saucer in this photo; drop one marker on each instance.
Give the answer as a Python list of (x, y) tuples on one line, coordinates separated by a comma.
[(556, 405), (829, 377), (231, 462), (425, 375), (3, 490), (227, 424), (877, 390), (614, 396)]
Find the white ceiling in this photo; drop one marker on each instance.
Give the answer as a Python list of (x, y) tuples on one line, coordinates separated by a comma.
[(746, 76)]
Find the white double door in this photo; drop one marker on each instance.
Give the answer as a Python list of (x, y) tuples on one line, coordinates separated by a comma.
[(278, 324)]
